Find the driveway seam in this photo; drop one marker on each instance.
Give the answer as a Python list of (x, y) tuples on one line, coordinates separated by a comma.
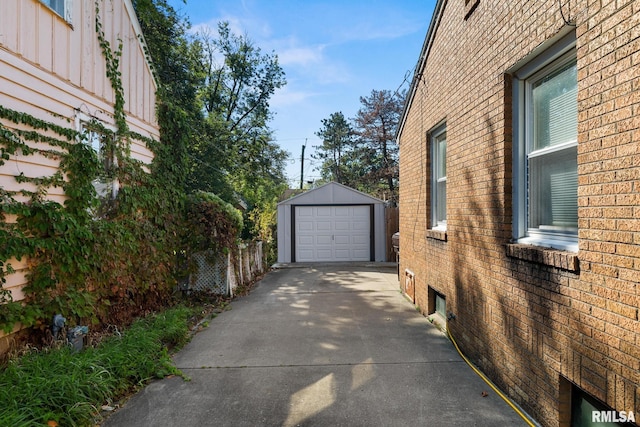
[(435, 362)]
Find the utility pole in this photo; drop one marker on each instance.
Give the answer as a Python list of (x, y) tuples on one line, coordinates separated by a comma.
[(302, 164)]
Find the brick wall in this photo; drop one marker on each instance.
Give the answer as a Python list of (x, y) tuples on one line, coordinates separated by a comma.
[(531, 318)]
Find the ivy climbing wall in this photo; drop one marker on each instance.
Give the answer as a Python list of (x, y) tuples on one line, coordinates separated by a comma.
[(86, 70), (56, 70)]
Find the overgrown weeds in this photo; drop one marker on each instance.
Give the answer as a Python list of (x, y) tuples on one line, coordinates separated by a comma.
[(60, 387)]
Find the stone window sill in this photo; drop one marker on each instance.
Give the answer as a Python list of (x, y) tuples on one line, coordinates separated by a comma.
[(564, 260), (437, 235)]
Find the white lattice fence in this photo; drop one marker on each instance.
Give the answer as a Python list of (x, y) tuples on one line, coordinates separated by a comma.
[(212, 273), (222, 273)]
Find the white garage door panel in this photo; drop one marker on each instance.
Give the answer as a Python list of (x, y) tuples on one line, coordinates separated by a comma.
[(304, 211), (361, 226), (306, 240), (323, 240), (306, 225), (323, 225), (332, 233), (342, 240), (342, 211), (360, 240), (360, 253), (342, 225), (323, 211), (324, 254), (306, 253), (342, 253)]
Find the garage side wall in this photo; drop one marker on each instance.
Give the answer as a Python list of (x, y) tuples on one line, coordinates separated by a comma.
[(284, 233), (380, 235)]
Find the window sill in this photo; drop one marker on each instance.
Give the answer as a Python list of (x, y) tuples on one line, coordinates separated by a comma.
[(65, 16), (469, 7), (564, 260), (438, 321), (437, 234)]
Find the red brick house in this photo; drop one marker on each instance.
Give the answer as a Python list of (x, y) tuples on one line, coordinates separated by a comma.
[(520, 197)]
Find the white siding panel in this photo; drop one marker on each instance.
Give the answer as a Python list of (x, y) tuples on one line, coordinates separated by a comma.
[(103, 85), (43, 91), (88, 55), (27, 36), (15, 282), (61, 43), (127, 76), (44, 31), (15, 264), (140, 87), (74, 64), (49, 69), (9, 25), (35, 160), (39, 90)]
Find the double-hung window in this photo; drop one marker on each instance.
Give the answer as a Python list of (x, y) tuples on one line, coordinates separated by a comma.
[(546, 142), (439, 177), (100, 139)]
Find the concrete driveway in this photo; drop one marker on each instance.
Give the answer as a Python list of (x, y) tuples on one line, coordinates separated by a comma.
[(320, 346)]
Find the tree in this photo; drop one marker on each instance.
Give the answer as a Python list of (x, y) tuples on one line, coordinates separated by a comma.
[(238, 82), (337, 141), (213, 111), (364, 155), (176, 67), (375, 125)]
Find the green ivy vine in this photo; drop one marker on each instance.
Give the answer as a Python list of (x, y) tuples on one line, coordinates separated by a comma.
[(97, 259)]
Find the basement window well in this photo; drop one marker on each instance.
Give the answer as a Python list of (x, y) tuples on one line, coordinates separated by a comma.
[(577, 408), (437, 308), (589, 411), (441, 305)]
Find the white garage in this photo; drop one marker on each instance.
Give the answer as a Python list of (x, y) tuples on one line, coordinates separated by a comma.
[(331, 223)]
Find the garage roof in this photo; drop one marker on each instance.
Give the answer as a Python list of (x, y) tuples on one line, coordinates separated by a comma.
[(332, 193)]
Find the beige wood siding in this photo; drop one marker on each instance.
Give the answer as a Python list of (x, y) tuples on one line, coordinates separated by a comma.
[(55, 71), (70, 58)]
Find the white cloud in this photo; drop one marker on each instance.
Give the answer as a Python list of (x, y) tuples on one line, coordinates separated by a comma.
[(303, 56), (286, 97), (311, 62), (366, 30)]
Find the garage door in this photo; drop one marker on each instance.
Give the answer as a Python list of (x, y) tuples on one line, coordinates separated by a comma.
[(332, 233)]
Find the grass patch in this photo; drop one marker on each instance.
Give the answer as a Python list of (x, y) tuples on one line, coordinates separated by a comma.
[(69, 388)]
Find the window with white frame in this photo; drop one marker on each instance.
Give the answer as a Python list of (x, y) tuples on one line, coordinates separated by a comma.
[(61, 7), (439, 177), (546, 144), (99, 139)]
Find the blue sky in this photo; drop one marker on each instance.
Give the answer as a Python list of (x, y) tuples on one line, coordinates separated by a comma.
[(332, 52)]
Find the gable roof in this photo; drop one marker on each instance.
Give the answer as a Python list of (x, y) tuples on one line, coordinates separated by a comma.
[(424, 53), (331, 193)]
